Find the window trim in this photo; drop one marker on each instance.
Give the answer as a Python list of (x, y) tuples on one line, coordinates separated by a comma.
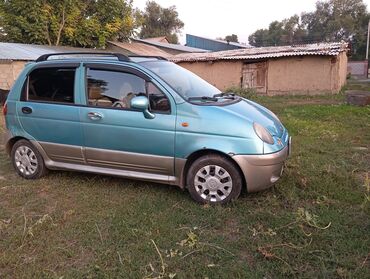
[(25, 87), (126, 70)]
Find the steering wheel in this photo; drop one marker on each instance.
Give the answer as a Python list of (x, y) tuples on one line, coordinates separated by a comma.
[(119, 104)]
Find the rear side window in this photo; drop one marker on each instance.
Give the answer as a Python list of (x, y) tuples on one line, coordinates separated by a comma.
[(54, 85)]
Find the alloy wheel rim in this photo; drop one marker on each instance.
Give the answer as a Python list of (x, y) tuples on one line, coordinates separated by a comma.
[(213, 183), (25, 160)]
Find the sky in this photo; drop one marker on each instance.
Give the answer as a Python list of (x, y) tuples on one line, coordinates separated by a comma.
[(218, 18)]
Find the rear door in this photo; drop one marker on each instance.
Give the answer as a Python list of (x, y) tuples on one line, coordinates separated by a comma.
[(119, 137), (48, 111)]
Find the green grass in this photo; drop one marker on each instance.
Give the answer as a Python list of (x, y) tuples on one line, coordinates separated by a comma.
[(314, 223)]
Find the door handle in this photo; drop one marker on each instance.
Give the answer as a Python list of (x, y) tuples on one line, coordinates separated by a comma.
[(95, 115), (26, 110)]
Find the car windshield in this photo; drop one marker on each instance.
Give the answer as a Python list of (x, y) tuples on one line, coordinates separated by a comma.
[(187, 84)]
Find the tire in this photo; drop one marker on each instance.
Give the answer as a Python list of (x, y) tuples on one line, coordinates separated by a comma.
[(214, 179), (27, 160)]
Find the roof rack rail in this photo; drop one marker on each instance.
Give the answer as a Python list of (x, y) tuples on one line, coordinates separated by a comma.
[(119, 56), (149, 56)]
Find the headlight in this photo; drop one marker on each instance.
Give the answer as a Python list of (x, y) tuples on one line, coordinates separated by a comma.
[(262, 133)]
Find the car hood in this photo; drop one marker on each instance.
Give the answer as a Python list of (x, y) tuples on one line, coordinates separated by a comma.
[(254, 112)]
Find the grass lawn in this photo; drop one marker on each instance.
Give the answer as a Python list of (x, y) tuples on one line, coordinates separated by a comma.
[(314, 223)]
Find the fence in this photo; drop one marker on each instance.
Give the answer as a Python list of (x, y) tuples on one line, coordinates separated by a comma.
[(358, 68)]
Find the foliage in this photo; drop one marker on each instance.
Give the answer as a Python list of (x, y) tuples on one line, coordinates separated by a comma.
[(229, 38), (66, 22), (333, 20), (248, 93), (157, 21), (232, 38), (285, 32)]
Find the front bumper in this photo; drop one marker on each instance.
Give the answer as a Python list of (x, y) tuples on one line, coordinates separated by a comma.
[(262, 171)]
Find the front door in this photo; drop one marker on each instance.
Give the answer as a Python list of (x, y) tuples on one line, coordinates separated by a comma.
[(48, 112), (255, 76), (119, 137)]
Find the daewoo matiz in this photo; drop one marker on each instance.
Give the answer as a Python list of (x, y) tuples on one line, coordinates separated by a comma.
[(143, 118)]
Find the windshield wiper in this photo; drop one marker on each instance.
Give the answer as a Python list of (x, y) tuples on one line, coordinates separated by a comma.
[(203, 98), (226, 95)]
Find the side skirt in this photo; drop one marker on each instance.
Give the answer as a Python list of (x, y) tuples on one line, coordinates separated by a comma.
[(82, 167), (114, 172)]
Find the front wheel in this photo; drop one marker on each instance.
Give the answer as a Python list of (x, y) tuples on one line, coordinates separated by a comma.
[(27, 161), (214, 179)]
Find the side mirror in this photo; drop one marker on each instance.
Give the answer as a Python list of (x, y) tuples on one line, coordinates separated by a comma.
[(141, 103)]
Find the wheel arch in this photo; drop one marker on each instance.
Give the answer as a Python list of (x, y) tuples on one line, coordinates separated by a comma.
[(203, 152), (10, 143)]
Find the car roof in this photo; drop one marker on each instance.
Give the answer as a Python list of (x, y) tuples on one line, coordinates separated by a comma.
[(96, 56)]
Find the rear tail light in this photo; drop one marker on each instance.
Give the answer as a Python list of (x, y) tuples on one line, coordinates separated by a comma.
[(5, 109)]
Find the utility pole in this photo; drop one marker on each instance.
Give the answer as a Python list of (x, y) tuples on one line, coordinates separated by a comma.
[(367, 50)]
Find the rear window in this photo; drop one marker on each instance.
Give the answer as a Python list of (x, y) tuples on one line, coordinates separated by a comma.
[(54, 85)]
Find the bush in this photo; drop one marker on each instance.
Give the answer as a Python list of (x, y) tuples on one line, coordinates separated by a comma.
[(248, 93)]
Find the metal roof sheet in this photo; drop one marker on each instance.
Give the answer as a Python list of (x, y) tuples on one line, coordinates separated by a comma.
[(28, 52), (323, 49), (171, 46), (141, 49), (239, 45)]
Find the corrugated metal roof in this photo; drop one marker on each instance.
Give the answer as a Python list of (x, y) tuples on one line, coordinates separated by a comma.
[(27, 52), (324, 49), (171, 46), (236, 45), (162, 39), (141, 49)]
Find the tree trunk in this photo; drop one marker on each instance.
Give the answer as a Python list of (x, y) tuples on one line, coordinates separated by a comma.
[(61, 26), (48, 35)]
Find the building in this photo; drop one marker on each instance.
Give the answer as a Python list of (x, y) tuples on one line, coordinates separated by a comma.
[(135, 48), (172, 49), (211, 45), (162, 39), (305, 69), (14, 56)]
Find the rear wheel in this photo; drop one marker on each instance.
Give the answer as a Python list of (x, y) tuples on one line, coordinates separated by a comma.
[(27, 161), (214, 179)]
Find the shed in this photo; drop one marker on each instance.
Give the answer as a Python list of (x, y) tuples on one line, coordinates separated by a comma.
[(134, 48), (14, 56), (301, 69), (172, 49), (162, 39)]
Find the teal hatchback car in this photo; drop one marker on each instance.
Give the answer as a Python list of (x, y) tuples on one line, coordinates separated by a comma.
[(142, 118)]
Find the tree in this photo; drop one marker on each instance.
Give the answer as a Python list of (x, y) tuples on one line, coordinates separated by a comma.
[(157, 21), (232, 38), (333, 20), (279, 33), (337, 20), (66, 22)]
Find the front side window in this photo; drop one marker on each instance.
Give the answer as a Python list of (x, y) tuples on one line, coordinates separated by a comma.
[(55, 85), (157, 100), (112, 89)]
